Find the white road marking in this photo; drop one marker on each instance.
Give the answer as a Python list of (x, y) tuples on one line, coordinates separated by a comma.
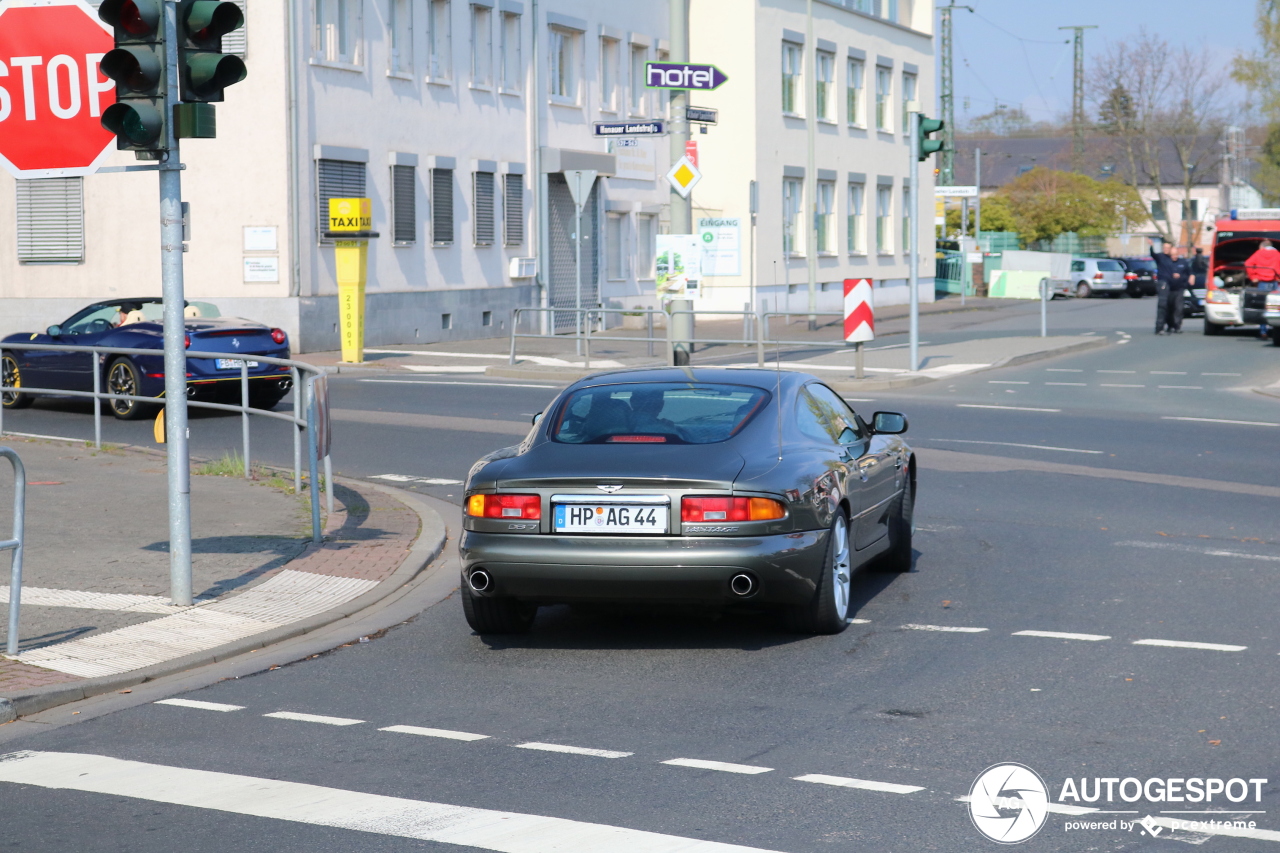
[(1064, 370), (442, 369), (1062, 635), (950, 628), (444, 733), (464, 826), (1010, 408), (1115, 371), (574, 750), (1211, 552), (1080, 384), (426, 481), (1006, 382), (1219, 421), (198, 704), (862, 621), (1221, 374), (1012, 444), (1056, 808), (1218, 829), (845, 782), (433, 352), (1112, 385), (1181, 644), (313, 718), (37, 435), (467, 384), (123, 602), (699, 764), (1184, 387), (1168, 372)]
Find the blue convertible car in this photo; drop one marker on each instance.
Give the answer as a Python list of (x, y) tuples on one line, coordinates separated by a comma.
[(138, 324)]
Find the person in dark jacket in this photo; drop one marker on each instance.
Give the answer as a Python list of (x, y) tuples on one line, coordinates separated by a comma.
[(1171, 275), (1199, 269)]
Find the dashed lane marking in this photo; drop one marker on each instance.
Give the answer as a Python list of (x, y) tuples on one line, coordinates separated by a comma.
[(1062, 635), (198, 704), (313, 718), (446, 823), (441, 733), (574, 750), (950, 628), (426, 481), (1168, 372), (699, 764), (1221, 374), (1007, 408), (1183, 387), (1012, 444), (863, 784), (1115, 371), (1064, 370), (1219, 421), (1210, 552), (1080, 384), (1182, 644), (1117, 385), (1006, 382)]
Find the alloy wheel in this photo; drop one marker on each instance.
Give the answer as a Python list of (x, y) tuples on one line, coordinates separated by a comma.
[(841, 576), (10, 378), (122, 380)]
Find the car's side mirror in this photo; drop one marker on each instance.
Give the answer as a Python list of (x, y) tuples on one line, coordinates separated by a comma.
[(54, 331), (537, 418), (889, 423)]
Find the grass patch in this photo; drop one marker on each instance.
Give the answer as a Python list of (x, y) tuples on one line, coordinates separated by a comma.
[(227, 465)]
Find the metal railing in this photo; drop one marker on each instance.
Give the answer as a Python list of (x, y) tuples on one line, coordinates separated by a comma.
[(301, 374), (758, 320), (15, 545)]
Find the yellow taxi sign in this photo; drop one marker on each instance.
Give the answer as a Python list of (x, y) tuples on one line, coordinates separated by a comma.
[(350, 214)]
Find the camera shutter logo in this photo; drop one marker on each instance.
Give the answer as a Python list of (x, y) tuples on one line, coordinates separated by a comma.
[(1008, 803)]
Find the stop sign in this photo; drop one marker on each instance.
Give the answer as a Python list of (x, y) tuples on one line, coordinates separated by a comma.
[(51, 92)]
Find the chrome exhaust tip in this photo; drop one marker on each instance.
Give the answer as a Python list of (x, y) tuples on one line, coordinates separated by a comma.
[(480, 580), (742, 585)]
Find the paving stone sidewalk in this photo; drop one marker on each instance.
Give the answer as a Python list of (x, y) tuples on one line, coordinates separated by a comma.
[(96, 578)]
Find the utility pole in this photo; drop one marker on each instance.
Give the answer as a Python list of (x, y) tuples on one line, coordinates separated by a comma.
[(681, 208), (811, 170), (947, 98), (1077, 94)]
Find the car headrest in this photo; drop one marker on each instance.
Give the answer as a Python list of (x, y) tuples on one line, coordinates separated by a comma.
[(134, 316), (191, 311)]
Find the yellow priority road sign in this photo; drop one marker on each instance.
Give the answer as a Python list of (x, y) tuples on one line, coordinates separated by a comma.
[(684, 176)]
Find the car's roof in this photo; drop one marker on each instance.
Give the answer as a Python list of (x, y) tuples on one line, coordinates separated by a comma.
[(753, 376)]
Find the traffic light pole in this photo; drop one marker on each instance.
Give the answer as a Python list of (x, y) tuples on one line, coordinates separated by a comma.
[(913, 260), (175, 347)]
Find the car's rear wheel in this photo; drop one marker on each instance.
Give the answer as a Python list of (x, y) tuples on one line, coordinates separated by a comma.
[(497, 615), (11, 377), (1083, 290), (827, 612), (123, 377), (902, 523), (1134, 291), (1212, 328), (1275, 337)]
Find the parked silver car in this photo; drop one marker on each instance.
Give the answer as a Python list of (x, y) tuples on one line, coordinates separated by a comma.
[(1098, 275)]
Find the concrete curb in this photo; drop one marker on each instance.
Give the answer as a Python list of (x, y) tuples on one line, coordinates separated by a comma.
[(428, 545)]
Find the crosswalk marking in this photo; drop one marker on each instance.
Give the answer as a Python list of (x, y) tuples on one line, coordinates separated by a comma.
[(486, 829)]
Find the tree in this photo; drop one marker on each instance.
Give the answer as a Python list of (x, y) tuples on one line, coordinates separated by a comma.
[(1256, 72), (1044, 203), (1116, 114), (996, 216)]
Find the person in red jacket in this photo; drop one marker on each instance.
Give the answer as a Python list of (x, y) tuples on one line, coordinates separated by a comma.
[(1263, 269)]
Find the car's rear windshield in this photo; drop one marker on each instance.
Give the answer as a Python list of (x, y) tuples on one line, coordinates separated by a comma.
[(652, 413), (1110, 266), (1140, 264)]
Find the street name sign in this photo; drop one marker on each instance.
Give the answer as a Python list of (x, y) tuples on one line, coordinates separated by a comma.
[(956, 192), (682, 75), (701, 115), (52, 93), (630, 128)]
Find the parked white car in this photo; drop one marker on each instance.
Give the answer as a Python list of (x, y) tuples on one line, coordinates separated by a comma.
[(1098, 275)]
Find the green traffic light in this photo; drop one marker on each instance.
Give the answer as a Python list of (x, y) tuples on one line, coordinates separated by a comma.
[(924, 128), (137, 123)]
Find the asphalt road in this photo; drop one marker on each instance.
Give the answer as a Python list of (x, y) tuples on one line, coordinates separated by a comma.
[(1163, 535)]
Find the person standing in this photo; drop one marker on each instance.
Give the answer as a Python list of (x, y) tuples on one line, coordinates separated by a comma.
[(1263, 270), (1199, 269), (1171, 278)]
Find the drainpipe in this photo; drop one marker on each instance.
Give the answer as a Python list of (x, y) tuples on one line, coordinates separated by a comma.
[(811, 174), (295, 240)]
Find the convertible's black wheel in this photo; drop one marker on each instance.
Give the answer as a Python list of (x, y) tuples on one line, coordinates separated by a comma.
[(123, 377), (11, 377), (497, 615), (827, 612), (901, 527)]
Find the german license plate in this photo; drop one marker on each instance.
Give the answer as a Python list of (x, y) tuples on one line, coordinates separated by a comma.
[(610, 518), (233, 363)]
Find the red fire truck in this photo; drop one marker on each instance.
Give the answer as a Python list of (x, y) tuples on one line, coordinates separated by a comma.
[(1233, 300)]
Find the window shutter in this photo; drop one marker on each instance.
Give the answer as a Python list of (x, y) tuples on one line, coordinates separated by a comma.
[(442, 207), (484, 217), (337, 179), (51, 221), (237, 41), (513, 210), (404, 208)]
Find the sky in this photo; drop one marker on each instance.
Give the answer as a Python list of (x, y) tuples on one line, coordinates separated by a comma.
[(1012, 50)]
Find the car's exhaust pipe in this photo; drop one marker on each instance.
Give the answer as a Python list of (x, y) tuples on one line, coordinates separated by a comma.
[(480, 580), (742, 585)]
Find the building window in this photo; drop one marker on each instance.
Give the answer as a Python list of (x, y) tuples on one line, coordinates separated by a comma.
[(337, 179), (512, 65), (1159, 211), (884, 82), (440, 41), (51, 221), (615, 246), (857, 224), (639, 56), (826, 85), (564, 65), (609, 74), (646, 245), (906, 221), (442, 207), (824, 218), (404, 206), (486, 318), (400, 36), (908, 95), (513, 210), (792, 64), (853, 92), (1191, 210), (792, 227), (446, 321), (884, 225), (481, 46), (485, 219), (338, 31)]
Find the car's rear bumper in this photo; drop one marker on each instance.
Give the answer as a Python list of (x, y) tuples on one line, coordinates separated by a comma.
[(658, 569)]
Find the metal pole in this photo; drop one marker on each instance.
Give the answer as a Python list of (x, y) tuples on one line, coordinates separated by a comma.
[(328, 484), (313, 417), (977, 200), (244, 414), (681, 316), (297, 436), (15, 569), (913, 262), (586, 341), (97, 403), (515, 320), (648, 333), (671, 333), (810, 174), (577, 279), (1044, 307), (760, 330), (175, 354), (857, 349)]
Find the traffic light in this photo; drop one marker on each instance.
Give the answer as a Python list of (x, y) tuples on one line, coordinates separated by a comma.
[(924, 128), (202, 66), (137, 64)]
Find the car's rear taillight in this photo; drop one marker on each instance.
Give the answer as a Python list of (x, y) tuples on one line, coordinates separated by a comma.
[(278, 336), (188, 340), (1098, 276), (1130, 276), (505, 506), (700, 509)]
